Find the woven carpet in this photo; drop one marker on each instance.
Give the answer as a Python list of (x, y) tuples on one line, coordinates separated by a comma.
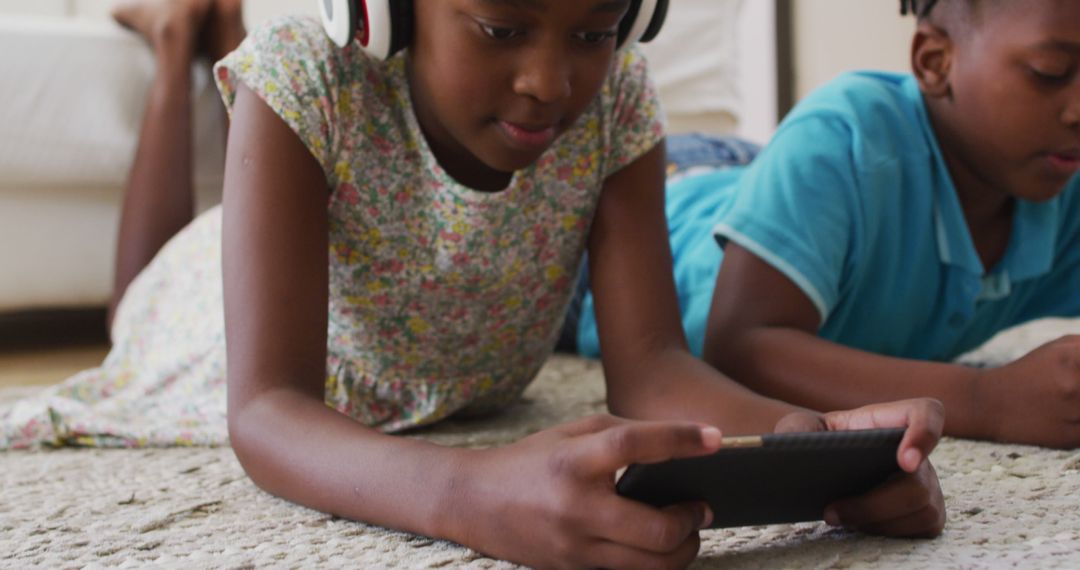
[(194, 508)]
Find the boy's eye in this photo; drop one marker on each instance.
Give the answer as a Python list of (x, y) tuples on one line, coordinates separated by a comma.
[(1051, 73), (499, 33), (596, 37)]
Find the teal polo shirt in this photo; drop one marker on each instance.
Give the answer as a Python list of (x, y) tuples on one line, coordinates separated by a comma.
[(852, 201)]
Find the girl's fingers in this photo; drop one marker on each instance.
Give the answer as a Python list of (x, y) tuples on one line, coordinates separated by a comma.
[(927, 522), (800, 422), (624, 521), (605, 554), (591, 424), (897, 499), (611, 449), (924, 419)]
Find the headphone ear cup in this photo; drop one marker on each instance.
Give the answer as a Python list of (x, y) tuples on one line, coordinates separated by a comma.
[(401, 18), (381, 27), (339, 19), (642, 22)]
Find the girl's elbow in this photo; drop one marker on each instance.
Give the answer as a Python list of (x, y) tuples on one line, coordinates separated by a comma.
[(251, 438), (244, 443)]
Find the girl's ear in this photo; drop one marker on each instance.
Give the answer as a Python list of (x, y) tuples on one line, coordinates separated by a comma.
[(931, 59)]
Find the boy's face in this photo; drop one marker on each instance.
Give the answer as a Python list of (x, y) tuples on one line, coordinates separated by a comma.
[(494, 82), (1013, 109)]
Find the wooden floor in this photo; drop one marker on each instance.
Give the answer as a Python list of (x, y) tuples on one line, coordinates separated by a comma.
[(42, 348)]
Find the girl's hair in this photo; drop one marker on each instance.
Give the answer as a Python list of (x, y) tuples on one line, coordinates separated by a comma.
[(921, 8)]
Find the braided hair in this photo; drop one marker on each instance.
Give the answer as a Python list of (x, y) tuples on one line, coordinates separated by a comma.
[(921, 8)]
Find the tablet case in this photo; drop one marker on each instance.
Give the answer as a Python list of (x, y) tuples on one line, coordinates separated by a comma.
[(789, 478)]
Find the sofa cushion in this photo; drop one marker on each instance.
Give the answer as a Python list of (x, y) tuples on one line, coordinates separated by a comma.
[(74, 93)]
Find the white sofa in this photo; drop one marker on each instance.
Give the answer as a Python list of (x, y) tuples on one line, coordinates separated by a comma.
[(73, 93)]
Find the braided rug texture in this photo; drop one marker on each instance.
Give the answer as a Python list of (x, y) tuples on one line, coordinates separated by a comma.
[(195, 508)]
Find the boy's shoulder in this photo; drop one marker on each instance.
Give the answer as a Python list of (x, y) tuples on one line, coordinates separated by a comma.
[(1070, 202), (866, 115), (862, 93)]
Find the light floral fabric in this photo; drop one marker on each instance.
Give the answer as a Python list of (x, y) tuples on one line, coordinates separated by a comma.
[(443, 300)]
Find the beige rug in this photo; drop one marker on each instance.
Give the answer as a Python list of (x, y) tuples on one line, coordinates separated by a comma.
[(195, 508)]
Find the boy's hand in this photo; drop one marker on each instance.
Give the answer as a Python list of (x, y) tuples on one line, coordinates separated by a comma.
[(549, 500), (908, 505), (1036, 399)]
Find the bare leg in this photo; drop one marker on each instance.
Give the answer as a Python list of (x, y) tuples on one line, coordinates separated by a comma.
[(159, 200), (224, 28)]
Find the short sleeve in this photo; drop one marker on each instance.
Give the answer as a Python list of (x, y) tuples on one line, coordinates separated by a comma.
[(1056, 295), (632, 107), (797, 207), (1068, 261), (292, 66)]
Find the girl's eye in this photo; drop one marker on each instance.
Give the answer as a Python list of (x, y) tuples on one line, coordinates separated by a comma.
[(596, 38), (499, 33)]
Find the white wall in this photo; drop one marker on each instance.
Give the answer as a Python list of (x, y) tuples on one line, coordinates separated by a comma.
[(832, 36), (33, 7), (259, 10), (255, 10)]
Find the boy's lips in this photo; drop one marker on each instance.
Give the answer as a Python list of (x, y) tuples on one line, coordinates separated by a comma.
[(1065, 161), (529, 136)]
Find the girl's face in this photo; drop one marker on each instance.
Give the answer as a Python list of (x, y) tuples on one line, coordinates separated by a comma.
[(495, 82), (1015, 98)]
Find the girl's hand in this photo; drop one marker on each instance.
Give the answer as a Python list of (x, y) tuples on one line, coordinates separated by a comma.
[(908, 505), (549, 500), (1036, 399)]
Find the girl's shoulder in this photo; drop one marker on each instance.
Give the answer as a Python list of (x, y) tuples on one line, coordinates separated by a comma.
[(625, 119), (296, 50), (325, 93), (289, 35), (629, 85)]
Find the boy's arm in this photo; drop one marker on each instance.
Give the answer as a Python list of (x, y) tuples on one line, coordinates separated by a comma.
[(544, 501), (762, 331)]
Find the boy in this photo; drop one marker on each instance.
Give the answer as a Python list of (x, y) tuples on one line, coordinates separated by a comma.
[(896, 221)]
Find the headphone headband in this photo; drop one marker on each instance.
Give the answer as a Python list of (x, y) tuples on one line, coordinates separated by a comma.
[(642, 21), (384, 27)]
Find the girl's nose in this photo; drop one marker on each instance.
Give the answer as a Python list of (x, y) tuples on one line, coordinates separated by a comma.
[(544, 74)]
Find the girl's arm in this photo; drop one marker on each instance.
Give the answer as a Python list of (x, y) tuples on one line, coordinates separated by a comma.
[(547, 500), (763, 330), (275, 284), (649, 369), (651, 373)]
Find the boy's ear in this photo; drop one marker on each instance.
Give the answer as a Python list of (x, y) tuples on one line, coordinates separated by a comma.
[(931, 59)]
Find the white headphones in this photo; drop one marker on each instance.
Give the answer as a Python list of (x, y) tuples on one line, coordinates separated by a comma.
[(384, 27)]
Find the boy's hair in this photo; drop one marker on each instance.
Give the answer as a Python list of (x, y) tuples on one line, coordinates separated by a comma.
[(921, 8), (954, 12)]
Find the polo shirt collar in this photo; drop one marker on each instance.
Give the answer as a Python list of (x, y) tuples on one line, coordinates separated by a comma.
[(1035, 224)]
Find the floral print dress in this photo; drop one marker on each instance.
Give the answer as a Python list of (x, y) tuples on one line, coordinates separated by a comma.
[(442, 299)]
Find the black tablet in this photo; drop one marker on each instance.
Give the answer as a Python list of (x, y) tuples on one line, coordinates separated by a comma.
[(776, 478)]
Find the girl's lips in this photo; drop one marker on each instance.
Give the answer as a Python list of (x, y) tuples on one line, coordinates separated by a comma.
[(528, 136)]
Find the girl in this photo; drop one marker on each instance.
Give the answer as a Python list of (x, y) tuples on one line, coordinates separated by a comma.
[(399, 241)]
